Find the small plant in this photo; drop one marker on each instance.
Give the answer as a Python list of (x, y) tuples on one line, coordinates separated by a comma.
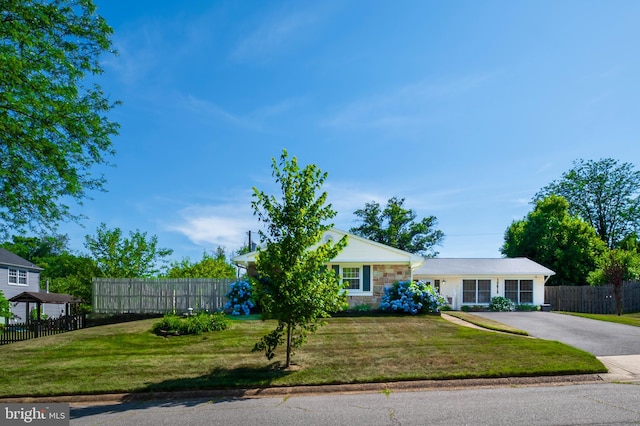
[(33, 315), (196, 324), (363, 307), (527, 307), (411, 297), (465, 308), (501, 304), (240, 298)]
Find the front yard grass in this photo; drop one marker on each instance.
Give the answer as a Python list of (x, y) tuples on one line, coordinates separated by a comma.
[(628, 319), (486, 323), (129, 358)]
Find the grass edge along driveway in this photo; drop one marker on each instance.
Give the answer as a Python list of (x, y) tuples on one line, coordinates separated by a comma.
[(129, 358)]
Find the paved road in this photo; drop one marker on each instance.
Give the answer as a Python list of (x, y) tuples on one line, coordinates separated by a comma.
[(556, 405), (599, 338)]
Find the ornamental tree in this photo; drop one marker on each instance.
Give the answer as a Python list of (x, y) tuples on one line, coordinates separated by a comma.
[(614, 267), (294, 286), (53, 115)]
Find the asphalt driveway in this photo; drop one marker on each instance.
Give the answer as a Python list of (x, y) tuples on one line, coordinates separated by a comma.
[(599, 338)]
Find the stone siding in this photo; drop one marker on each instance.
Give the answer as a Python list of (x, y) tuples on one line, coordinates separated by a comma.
[(383, 276)]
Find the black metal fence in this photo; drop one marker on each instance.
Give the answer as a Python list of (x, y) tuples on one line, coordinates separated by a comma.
[(32, 329), (592, 300), (158, 295)]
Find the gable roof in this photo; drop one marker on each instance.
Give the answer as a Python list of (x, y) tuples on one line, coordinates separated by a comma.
[(8, 258), (499, 266), (358, 250)]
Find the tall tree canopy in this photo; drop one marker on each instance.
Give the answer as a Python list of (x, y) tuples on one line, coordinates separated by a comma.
[(119, 257), (53, 124), (294, 286), (395, 226), (604, 193), (551, 236)]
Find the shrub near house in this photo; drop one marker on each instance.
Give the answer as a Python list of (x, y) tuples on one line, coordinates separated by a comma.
[(413, 297)]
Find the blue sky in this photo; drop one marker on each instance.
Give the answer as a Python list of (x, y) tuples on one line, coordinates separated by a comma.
[(464, 108)]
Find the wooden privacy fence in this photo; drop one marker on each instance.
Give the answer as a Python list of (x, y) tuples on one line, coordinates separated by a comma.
[(158, 295), (40, 328), (592, 300)]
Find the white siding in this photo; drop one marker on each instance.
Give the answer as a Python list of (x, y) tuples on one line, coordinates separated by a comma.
[(451, 286)]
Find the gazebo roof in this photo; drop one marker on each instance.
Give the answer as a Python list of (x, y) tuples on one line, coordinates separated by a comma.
[(35, 297)]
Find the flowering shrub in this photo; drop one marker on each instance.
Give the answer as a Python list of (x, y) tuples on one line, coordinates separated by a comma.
[(412, 297), (195, 324), (239, 296), (501, 304)]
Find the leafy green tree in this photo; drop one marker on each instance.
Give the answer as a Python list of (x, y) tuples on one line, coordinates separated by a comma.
[(604, 193), (395, 226), (5, 309), (37, 249), (551, 236), (119, 257), (614, 267), (71, 274), (295, 287), (207, 267), (630, 243), (53, 123)]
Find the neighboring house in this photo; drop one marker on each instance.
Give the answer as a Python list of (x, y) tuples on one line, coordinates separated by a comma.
[(17, 275), (474, 282), (369, 267)]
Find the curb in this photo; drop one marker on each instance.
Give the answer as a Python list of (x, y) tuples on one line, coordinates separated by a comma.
[(405, 386)]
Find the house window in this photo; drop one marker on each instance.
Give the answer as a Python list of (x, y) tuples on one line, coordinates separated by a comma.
[(351, 275), (357, 277), (436, 284), (17, 277), (476, 291), (519, 291)]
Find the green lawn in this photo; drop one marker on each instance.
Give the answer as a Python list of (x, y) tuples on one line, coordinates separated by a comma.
[(628, 319), (129, 358), (486, 323)]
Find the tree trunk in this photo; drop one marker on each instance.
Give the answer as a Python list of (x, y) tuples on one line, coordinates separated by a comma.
[(617, 294), (288, 361)]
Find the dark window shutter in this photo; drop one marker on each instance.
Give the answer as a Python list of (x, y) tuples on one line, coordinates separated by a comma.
[(366, 278), (336, 269)]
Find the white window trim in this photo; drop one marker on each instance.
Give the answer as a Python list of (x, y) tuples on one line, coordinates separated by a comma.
[(520, 291), (351, 291), (477, 292), (17, 275)]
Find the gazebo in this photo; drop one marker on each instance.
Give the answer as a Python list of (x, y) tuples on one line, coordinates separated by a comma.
[(30, 297)]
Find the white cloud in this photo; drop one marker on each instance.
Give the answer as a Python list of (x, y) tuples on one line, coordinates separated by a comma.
[(280, 31), (256, 119), (411, 105), (223, 225)]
